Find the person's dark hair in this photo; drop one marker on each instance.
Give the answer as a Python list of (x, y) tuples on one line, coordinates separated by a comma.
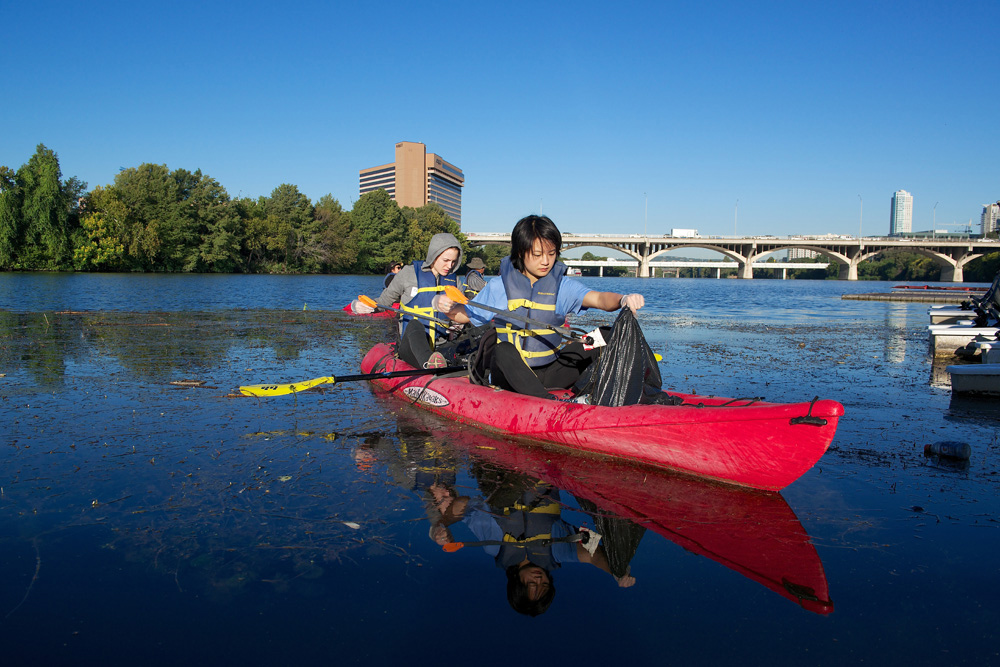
[(525, 232), (517, 593)]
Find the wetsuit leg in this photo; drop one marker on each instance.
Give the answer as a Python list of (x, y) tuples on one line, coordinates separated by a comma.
[(415, 344)]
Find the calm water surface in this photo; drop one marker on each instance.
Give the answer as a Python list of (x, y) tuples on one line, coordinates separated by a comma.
[(144, 522)]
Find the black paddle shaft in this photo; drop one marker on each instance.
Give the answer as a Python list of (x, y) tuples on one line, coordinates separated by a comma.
[(399, 374)]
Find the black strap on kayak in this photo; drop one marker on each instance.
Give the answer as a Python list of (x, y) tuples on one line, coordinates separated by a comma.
[(808, 418), (731, 403)]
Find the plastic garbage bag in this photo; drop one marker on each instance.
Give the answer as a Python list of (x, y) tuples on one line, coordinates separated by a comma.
[(626, 373)]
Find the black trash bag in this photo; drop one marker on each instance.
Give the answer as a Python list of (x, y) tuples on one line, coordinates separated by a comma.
[(626, 372), (620, 536)]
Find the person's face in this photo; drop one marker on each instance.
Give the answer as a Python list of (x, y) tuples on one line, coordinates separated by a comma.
[(445, 262), (535, 579), (540, 259), (397, 268)]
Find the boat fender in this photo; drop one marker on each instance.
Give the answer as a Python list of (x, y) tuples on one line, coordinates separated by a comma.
[(808, 418)]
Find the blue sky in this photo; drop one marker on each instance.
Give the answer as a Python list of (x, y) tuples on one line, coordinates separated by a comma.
[(585, 111)]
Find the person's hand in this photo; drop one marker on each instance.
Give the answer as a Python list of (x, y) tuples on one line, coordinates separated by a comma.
[(633, 301), (626, 579), (442, 303), (361, 308)]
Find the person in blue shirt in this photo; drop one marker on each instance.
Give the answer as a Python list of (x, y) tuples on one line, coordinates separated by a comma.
[(533, 283)]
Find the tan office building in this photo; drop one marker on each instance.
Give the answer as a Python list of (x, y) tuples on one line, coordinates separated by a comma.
[(417, 178)]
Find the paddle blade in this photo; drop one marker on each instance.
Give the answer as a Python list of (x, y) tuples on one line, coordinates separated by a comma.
[(367, 300), (284, 389), (455, 294), (452, 547)]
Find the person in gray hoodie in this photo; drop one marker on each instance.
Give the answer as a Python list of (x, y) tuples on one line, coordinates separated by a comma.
[(416, 288)]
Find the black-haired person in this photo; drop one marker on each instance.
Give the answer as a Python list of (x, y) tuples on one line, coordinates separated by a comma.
[(394, 268), (533, 283), (521, 524), (416, 288)]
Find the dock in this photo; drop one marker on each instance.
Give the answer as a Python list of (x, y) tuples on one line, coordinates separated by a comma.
[(911, 297)]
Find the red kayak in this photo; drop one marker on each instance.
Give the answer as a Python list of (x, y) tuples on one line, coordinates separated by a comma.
[(741, 441), (380, 313), (751, 532)]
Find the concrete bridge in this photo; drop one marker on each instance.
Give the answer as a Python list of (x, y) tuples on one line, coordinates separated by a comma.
[(717, 266), (949, 253)]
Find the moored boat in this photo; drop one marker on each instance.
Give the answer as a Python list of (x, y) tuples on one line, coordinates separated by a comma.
[(975, 379), (748, 442)]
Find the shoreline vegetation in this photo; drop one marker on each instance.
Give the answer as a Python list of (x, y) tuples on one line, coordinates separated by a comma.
[(155, 220)]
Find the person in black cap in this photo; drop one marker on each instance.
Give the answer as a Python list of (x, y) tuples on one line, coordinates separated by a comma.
[(474, 280), (394, 268)]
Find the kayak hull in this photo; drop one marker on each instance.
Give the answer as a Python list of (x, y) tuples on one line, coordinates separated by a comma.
[(750, 443)]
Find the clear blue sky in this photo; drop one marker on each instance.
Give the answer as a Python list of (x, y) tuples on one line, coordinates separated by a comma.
[(583, 110)]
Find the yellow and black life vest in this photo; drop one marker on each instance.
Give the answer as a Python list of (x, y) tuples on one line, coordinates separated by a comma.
[(537, 347), (428, 286)]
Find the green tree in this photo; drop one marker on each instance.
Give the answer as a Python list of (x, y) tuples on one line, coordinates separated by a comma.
[(11, 224), (102, 246), (335, 241), (983, 269), (382, 231), (423, 223), (177, 220), (48, 214)]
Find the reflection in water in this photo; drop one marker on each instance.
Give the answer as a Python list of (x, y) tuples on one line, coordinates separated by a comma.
[(516, 515), (895, 323)]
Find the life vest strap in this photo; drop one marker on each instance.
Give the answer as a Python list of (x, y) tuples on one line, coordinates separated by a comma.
[(514, 304)]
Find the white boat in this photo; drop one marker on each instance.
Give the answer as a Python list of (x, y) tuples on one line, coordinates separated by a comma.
[(949, 314), (946, 339), (975, 379)]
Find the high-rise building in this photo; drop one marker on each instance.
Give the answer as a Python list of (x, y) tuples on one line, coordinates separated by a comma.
[(417, 178), (990, 220), (901, 215)]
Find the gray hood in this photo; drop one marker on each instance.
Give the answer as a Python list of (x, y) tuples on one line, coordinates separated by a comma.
[(439, 243)]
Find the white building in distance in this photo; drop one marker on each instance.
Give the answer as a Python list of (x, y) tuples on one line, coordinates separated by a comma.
[(901, 214), (990, 219)]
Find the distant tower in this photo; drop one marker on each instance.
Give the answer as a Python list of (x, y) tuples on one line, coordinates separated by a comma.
[(991, 218), (417, 178), (901, 215)]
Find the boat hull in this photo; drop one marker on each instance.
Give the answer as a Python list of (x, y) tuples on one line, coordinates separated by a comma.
[(945, 340), (975, 379), (755, 444)]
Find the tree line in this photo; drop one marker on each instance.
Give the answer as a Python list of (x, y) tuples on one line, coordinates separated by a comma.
[(155, 219)]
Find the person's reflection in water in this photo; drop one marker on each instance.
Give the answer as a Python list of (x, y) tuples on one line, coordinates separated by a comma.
[(520, 520)]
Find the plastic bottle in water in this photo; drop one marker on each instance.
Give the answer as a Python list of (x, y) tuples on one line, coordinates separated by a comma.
[(950, 448)]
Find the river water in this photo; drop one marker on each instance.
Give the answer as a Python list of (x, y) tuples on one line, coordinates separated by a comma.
[(144, 522)]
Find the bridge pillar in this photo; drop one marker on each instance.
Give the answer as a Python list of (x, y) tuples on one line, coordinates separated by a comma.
[(952, 274), (745, 270), (848, 271)]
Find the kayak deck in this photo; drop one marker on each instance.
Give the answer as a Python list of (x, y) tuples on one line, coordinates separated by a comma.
[(740, 441)]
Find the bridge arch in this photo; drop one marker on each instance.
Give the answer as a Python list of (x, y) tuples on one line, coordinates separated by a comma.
[(951, 253)]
